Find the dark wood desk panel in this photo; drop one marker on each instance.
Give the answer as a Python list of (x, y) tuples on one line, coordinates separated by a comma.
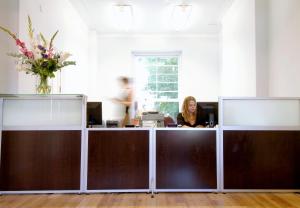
[(118, 159), (186, 159), (261, 159), (40, 160)]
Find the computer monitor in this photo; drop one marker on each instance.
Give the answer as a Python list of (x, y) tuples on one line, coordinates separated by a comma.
[(93, 113), (209, 110)]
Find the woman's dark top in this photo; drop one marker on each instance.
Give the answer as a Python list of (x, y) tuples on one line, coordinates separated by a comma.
[(200, 120)]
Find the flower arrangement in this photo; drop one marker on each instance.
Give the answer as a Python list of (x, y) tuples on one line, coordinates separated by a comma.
[(41, 59)]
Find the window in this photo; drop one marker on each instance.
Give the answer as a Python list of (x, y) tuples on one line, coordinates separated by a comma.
[(157, 82)]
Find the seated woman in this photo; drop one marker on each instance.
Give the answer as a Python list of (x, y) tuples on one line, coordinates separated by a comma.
[(190, 115)]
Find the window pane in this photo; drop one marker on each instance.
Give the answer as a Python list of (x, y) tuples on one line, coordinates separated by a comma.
[(167, 61), (174, 61), (151, 69), (168, 108), (167, 87), (167, 95), (167, 70), (162, 61), (167, 78), (151, 87), (152, 94), (152, 78), (151, 60)]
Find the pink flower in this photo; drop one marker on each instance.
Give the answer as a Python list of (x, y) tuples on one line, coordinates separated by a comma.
[(27, 53), (30, 54), (23, 50), (20, 43), (50, 53)]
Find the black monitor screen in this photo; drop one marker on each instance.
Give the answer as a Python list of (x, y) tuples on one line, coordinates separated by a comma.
[(209, 110), (94, 113)]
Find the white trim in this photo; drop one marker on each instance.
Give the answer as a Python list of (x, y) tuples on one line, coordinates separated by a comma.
[(41, 192), (118, 129), (261, 190), (1, 114), (157, 190), (261, 128), (150, 160), (218, 169), (41, 97), (154, 162), (1, 127), (158, 35), (85, 171), (156, 53), (186, 129), (186, 190), (179, 80), (220, 113), (41, 128), (259, 98), (221, 154), (118, 191), (83, 146), (221, 161)]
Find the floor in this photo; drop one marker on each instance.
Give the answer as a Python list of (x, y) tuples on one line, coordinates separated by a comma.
[(192, 200)]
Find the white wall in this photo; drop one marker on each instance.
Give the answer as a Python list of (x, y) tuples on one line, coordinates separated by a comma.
[(262, 31), (284, 48), (9, 16), (73, 36), (238, 75), (268, 54), (198, 76)]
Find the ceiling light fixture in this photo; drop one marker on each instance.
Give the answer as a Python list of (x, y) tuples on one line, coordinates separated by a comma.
[(180, 16), (123, 15)]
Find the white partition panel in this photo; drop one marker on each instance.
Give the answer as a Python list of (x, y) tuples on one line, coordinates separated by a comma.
[(42, 112), (1, 110), (261, 112)]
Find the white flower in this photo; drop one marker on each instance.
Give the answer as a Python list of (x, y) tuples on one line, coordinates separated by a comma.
[(37, 53), (33, 43), (23, 67), (63, 57)]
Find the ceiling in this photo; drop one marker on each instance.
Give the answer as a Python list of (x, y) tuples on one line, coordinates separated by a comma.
[(153, 16)]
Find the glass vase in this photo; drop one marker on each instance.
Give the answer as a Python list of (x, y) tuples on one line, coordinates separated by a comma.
[(43, 87)]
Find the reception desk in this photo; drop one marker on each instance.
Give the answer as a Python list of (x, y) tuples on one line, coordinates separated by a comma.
[(257, 159), (151, 160), (186, 159), (46, 148), (41, 143), (118, 160), (260, 140)]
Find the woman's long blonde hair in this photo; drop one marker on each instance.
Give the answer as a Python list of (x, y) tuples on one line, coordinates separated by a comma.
[(185, 109)]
